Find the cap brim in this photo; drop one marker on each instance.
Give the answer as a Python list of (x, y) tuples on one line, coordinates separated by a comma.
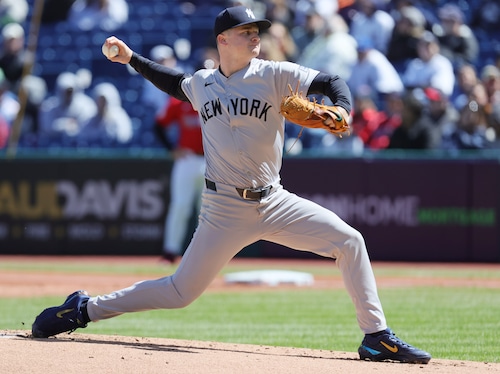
[(263, 24)]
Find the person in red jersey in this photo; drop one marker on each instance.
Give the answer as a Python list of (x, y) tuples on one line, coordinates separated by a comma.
[(187, 178)]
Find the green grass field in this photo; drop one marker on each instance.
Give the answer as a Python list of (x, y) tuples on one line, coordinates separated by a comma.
[(461, 323)]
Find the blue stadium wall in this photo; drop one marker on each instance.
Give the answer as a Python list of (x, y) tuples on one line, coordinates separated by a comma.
[(411, 209)]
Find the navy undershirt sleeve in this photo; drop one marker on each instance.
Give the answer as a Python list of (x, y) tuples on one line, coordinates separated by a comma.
[(164, 78), (334, 87)]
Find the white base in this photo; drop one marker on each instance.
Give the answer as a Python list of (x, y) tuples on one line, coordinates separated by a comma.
[(270, 277)]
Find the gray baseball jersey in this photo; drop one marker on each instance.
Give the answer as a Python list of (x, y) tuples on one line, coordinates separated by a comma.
[(236, 111)]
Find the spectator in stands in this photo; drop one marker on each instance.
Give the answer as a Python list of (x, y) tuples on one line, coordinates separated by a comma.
[(440, 113), (63, 114), (269, 49), (187, 176), (426, 9), (393, 108), (490, 77), (56, 10), (466, 80), (471, 129), (430, 68), (415, 132), (304, 33), (372, 22), (13, 55), (373, 70), (332, 51), (151, 96), (281, 11), (330, 8), (457, 41), (408, 29), (277, 44), (9, 109), (486, 16), (367, 118), (13, 11), (283, 40), (4, 133), (478, 94), (111, 126), (9, 103), (208, 57), (493, 130), (108, 15), (35, 91)]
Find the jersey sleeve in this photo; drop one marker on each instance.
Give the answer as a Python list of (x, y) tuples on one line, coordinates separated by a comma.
[(289, 73), (194, 86)]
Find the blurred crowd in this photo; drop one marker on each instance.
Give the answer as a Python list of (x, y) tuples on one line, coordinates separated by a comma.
[(417, 70)]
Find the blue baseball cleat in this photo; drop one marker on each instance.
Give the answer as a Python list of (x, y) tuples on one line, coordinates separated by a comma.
[(58, 319), (387, 346)]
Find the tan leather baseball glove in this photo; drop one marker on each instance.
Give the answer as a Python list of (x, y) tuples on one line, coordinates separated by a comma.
[(300, 110)]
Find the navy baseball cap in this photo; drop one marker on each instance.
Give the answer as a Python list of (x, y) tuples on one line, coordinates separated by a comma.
[(238, 16)]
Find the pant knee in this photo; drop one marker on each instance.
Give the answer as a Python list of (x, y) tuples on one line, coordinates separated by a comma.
[(357, 239), (182, 303), (354, 243)]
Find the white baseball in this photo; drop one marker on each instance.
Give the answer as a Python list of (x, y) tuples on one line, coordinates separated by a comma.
[(110, 52)]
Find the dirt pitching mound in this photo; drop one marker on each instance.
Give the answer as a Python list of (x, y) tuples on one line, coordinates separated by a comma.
[(86, 353)]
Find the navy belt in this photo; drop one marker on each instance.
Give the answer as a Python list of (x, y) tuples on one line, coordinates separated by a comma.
[(246, 193)]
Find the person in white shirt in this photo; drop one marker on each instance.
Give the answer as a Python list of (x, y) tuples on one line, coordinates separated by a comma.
[(373, 23), (332, 51), (111, 126), (374, 71), (106, 15), (64, 113), (431, 68)]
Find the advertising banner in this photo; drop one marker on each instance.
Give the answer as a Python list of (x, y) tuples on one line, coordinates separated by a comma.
[(407, 210), (83, 206)]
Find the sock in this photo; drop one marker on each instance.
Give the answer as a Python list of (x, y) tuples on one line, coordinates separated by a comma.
[(83, 309), (378, 333)]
